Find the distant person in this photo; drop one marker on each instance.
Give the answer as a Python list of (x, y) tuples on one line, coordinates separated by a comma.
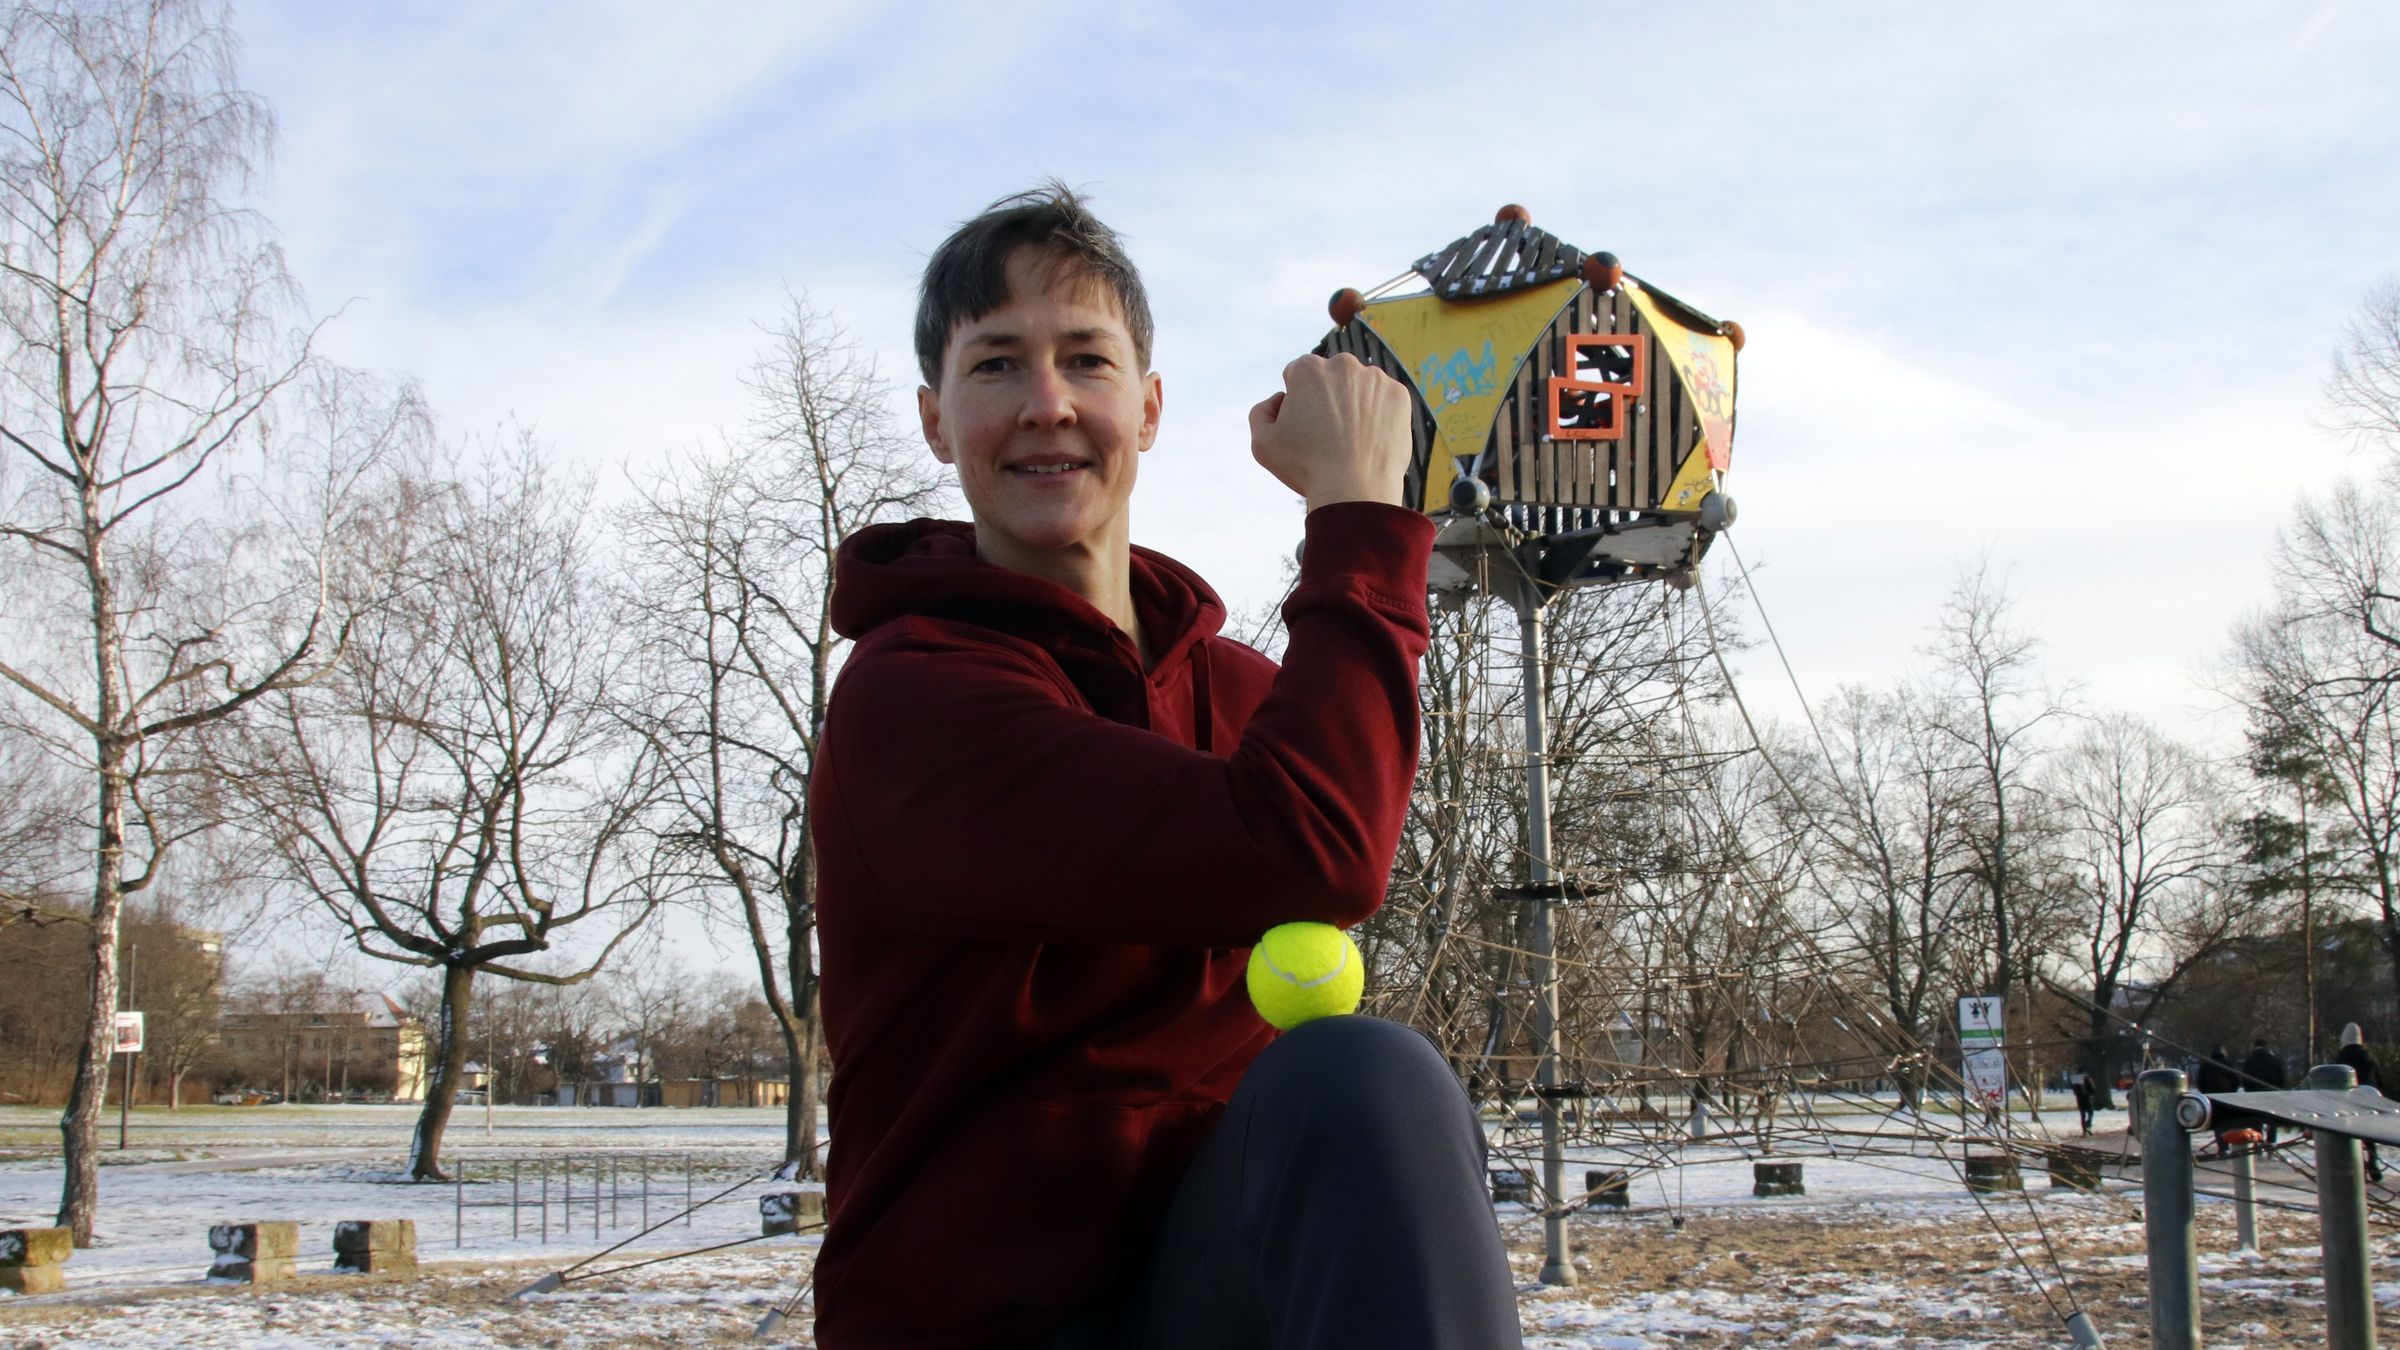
[(2087, 1099), (2263, 1072), (2354, 1053), (2264, 1068), (2217, 1076)]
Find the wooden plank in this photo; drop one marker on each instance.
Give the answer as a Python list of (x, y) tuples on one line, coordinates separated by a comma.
[(1544, 362), (1591, 457), (1495, 244), (1630, 447), (1534, 266), (1460, 258), (1504, 449), (1539, 472)]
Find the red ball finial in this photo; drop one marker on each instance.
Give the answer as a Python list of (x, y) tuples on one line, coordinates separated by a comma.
[(1345, 305), (1602, 271), (1733, 333), (1514, 212)]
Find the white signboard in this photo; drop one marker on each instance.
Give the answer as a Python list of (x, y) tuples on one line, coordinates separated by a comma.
[(1987, 1076), (129, 1033), (1980, 1040), (1979, 1021)]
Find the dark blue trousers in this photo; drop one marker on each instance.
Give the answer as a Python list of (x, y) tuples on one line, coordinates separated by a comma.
[(1341, 1203)]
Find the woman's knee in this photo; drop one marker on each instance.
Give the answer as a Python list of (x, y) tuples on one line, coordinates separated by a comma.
[(1345, 1066)]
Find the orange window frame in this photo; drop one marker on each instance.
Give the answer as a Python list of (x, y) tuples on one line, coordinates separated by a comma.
[(1630, 391)]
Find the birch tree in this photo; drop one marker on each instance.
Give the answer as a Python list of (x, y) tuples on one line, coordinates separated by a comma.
[(146, 340)]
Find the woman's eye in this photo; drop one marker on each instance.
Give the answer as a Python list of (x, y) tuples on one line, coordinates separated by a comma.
[(991, 365)]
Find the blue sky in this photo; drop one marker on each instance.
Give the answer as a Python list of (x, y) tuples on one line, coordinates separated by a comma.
[(2054, 281)]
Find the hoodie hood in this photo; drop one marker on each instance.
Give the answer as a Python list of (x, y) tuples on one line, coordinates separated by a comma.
[(928, 569)]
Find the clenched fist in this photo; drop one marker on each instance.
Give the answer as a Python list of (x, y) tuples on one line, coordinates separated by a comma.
[(1339, 432)]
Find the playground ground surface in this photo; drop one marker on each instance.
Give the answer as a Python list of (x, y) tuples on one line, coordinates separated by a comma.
[(1886, 1249)]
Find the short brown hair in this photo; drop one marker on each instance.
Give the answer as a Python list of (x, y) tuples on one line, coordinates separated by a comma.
[(967, 277)]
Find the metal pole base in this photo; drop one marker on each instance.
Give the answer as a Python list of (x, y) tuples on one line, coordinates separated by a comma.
[(2342, 1226), (2086, 1336), (769, 1324), (2174, 1259), (544, 1285)]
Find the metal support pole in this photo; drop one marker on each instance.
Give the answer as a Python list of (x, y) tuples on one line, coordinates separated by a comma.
[(2342, 1225), (458, 1204), (133, 957), (2245, 1199), (2167, 1211), (516, 1214), (1558, 1266)]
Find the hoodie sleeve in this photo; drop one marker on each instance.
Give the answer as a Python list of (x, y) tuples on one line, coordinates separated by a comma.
[(976, 798)]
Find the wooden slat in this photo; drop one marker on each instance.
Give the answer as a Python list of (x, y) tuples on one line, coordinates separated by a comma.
[(1635, 495), (1495, 242), (1539, 267), (1536, 421), (1504, 449), (1460, 257), (1585, 481), (1620, 456)]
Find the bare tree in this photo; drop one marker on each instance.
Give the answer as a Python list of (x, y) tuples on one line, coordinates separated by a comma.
[(732, 578), (1897, 808), (141, 305), (37, 829), (1990, 703), (2362, 394), (652, 1005), (2144, 853), (178, 983), (2322, 683), (459, 794)]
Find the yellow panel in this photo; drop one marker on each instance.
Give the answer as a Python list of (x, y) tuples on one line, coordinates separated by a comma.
[(1463, 356), (1705, 361), (1692, 482)]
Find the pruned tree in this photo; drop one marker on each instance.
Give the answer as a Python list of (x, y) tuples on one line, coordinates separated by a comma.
[(145, 343), (459, 794), (731, 580)]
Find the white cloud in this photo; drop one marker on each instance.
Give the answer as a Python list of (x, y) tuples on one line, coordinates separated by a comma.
[(2055, 280)]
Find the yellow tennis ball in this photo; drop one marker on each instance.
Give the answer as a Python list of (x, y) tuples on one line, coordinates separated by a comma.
[(1300, 972)]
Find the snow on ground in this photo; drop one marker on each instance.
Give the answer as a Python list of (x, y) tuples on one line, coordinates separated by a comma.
[(1886, 1249)]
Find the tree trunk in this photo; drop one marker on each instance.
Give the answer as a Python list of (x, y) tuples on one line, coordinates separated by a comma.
[(804, 1088), (448, 1050), (2095, 1060), (87, 1100)]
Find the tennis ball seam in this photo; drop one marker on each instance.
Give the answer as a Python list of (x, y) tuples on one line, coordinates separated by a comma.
[(1341, 964)]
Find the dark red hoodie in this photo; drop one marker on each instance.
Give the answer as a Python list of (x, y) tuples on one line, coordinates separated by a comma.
[(1040, 870)]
